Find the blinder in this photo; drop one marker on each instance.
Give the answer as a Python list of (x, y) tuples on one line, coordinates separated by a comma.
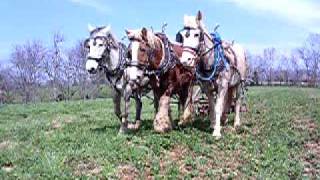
[(179, 37), (109, 45), (201, 36)]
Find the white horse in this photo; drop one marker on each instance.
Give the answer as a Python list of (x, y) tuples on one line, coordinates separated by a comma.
[(109, 56), (224, 86)]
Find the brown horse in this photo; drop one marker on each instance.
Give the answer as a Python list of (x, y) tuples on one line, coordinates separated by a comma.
[(153, 56)]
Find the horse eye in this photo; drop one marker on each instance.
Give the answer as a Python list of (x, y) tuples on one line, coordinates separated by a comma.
[(143, 50), (196, 35), (100, 45)]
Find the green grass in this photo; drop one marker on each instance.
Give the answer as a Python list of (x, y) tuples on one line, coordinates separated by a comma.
[(79, 139)]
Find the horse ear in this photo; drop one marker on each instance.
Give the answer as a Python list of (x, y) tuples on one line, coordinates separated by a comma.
[(91, 28), (144, 32), (127, 31), (199, 16), (106, 29)]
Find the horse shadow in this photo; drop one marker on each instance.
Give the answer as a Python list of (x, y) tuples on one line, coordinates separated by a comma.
[(146, 125)]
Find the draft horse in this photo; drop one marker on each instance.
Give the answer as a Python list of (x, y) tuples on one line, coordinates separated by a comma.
[(108, 56), (221, 69), (155, 58)]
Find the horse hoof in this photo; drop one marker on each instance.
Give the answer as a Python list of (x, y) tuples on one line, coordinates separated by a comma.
[(225, 121), (216, 135), (237, 128), (162, 125), (181, 124), (244, 109), (123, 130), (134, 126)]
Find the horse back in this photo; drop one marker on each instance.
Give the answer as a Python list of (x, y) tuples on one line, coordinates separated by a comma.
[(236, 55)]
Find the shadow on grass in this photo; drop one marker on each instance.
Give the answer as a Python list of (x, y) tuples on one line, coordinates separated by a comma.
[(146, 126), (200, 124)]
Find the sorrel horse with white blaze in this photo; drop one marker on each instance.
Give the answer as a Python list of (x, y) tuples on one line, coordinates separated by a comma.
[(106, 55), (221, 68), (155, 57)]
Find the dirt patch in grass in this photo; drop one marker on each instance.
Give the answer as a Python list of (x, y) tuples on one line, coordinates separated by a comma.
[(84, 167), (8, 167), (6, 145), (220, 165), (305, 124), (55, 124), (59, 121), (127, 172), (311, 158), (311, 154), (87, 168)]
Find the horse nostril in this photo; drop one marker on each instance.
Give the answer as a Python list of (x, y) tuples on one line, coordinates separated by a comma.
[(92, 70)]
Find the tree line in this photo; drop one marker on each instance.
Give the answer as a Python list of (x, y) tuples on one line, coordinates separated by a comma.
[(300, 67), (37, 72)]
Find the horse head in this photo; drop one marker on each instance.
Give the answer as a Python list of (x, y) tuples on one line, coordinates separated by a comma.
[(100, 46), (146, 50), (193, 37)]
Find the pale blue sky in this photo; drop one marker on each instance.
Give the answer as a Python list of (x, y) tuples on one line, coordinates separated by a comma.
[(256, 24)]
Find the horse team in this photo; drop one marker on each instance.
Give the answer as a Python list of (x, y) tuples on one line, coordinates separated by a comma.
[(152, 62)]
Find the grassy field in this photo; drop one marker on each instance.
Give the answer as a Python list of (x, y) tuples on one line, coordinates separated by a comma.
[(279, 139)]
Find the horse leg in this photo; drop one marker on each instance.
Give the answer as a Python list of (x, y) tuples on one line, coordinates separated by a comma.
[(212, 115), (156, 102), (182, 102), (117, 104), (228, 101), (219, 107), (138, 112), (125, 115), (236, 124), (162, 122), (187, 114)]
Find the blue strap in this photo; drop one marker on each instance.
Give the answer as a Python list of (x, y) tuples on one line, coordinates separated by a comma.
[(218, 57)]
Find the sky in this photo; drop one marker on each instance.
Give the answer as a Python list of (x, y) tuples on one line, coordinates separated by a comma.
[(256, 24)]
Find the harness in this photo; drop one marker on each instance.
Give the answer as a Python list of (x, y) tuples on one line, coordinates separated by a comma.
[(168, 62), (118, 71), (220, 61)]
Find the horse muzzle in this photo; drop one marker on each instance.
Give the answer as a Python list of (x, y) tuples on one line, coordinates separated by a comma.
[(92, 66)]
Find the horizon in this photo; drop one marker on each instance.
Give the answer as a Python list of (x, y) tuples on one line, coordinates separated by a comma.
[(255, 24)]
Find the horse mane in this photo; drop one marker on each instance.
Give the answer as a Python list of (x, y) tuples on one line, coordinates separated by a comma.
[(96, 32), (137, 34)]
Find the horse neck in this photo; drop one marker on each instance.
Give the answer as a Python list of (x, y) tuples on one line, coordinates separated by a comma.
[(209, 57), (158, 52), (114, 59)]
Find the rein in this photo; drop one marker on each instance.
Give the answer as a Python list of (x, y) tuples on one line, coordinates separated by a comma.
[(217, 51)]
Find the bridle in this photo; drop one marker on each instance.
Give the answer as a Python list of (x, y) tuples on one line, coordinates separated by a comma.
[(110, 44), (202, 49), (150, 54)]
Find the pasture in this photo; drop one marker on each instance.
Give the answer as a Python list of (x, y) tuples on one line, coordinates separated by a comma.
[(278, 139)]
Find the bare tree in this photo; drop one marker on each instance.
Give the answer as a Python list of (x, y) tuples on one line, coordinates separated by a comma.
[(310, 54), (26, 60), (53, 67), (284, 69), (76, 65), (269, 56)]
